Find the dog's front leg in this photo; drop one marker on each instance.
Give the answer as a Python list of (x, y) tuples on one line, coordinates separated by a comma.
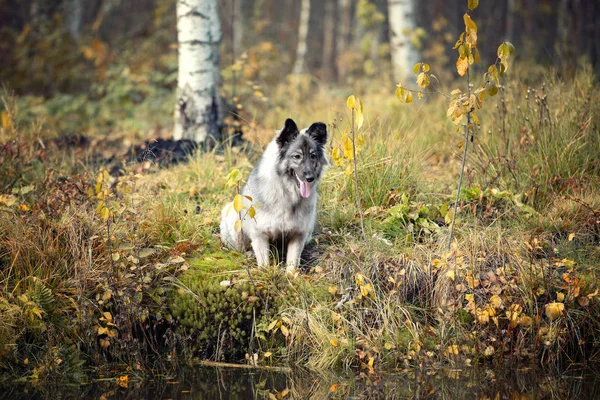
[(294, 251), (260, 245)]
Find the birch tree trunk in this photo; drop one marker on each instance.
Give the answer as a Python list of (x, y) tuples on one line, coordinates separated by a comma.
[(198, 107), (302, 34), (74, 17), (342, 38), (402, 24), (329, 27)]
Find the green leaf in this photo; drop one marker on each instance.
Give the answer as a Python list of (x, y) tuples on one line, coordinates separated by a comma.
[(473, 4), (503, 51), (511, 48), (492, 89), (146, 252)]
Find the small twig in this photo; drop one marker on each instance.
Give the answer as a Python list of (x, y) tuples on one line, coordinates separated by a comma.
[(359, 203), (464, 159)]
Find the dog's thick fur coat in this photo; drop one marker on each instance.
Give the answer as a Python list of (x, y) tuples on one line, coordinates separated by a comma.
[(283, 187)]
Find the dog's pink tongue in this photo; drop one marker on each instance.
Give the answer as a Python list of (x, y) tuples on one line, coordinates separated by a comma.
[(304, 189)]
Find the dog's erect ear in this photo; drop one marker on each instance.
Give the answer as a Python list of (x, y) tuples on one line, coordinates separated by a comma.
[(318, 131), (288, 133)]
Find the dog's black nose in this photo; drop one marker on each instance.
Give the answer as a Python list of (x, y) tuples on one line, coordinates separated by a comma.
[(310, 178)]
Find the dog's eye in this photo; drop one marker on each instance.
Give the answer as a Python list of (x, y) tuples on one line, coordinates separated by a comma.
[(297, 156), (313, 156)]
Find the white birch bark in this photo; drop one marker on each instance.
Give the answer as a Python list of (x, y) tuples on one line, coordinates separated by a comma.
[(238, 27), (302, 34), (402, 24), (74, 17), (198, 107), (328, 40)]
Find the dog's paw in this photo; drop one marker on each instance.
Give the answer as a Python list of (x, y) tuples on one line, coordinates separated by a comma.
[(291, 271)]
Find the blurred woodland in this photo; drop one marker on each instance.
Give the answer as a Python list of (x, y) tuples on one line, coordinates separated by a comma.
[(110, 258), (125, 51)]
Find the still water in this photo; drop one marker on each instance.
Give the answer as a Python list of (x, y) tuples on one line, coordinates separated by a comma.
[(238, 383)]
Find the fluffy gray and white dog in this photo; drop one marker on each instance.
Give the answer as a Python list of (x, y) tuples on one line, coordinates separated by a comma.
[(283, 187)]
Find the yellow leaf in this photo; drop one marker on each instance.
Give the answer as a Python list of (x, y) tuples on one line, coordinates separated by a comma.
[(560, 296), (359, 279), (268, 354), (272, 325), (360, 142), (453, 349), (425, 67), (332, 289), (23, 207), (104, 213), (238, 203), (449, 216), (476, 56), (348, 149), (400, 93), (360, 119), (333, 388), (417, 68), (336, 154), (462, 64), (6, 120), (371, 362), (334, 342), (423, 80), (571, 237), (102, 330), (107, 315), (238, 225), (525, 320), (284, 330), (554, 310), (450, 274), (472, 4), (489, 351), (104, 343), (409, 98), (471, 31), (496, 301), (233, 177), (351, 102), (349, 169), (252, 212), (420, 95)]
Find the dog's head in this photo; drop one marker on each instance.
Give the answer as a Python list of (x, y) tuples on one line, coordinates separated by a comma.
[(302, 154)]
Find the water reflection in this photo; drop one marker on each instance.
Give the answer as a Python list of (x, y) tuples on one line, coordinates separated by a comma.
[(236, 383)]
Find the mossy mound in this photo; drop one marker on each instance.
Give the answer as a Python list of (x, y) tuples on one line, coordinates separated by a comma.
[(219, 306)]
